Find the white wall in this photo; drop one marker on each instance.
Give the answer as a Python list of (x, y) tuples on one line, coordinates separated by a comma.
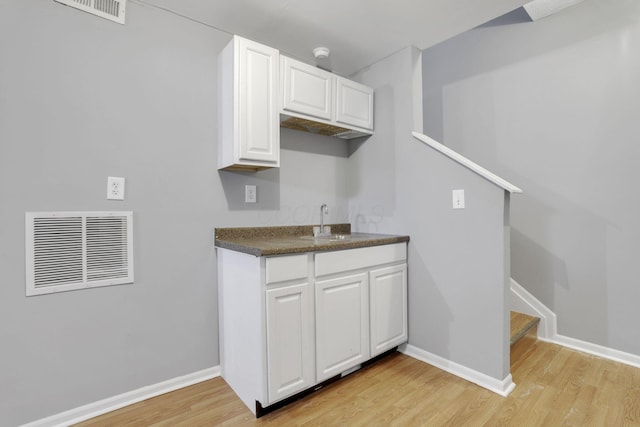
[(553, 106), (82, 98)]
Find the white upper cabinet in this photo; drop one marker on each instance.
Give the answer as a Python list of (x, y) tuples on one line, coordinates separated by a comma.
[(354, 103), (318, 101), (306, 89), (248, 113)]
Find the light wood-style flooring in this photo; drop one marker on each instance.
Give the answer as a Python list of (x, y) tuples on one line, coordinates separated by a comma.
[(555, 387)]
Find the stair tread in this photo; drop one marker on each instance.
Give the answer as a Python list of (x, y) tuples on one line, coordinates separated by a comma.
[(521, 324)]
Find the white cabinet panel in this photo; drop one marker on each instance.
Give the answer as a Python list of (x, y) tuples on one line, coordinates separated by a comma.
[(388, 305), (306, 89), (257, 93), (341, 324), (354, 104), (354, 259), (249, 113), (288, 267), (290, 340)]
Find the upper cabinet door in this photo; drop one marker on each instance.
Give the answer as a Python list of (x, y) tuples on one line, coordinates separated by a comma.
[(248, 113), (354, 104), (306, 89), (259, 127)]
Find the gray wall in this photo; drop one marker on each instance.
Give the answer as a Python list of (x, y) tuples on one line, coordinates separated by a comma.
[(457, 287), (553, 106), (82, 98)]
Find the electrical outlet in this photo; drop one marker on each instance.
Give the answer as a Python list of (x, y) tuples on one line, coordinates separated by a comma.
[(250, 193), (115, 188), (458, 199)]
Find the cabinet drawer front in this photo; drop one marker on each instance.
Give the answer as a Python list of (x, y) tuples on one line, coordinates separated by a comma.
[(290, 267), (355, 259)]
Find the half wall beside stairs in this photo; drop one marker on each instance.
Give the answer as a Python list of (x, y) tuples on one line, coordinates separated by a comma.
[(465, 256)]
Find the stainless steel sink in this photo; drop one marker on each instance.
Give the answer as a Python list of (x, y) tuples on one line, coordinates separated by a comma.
[(328, 237)]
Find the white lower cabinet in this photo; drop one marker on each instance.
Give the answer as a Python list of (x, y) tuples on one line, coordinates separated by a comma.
[(290, 322), (342, 324), (388, 307), (290, 343)]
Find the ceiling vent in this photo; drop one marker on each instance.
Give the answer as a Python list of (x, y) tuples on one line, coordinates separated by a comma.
[(108, 9), (75, 250)]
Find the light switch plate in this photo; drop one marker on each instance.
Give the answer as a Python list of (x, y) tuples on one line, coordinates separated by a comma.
[(458, 199)]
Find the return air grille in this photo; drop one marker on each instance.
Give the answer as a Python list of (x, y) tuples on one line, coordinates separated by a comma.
[(75, 250), (109, 9)]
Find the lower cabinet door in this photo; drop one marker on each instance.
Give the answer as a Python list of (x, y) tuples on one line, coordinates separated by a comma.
[(388, 295), (342, 324), (290, 340)]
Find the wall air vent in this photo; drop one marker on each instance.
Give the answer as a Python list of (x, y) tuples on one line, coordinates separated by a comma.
[(109, 9), (75, 250)]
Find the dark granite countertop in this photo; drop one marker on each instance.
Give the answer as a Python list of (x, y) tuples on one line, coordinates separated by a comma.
[(266, 241)]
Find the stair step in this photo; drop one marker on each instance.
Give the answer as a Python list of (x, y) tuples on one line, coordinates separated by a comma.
[(521, 324)]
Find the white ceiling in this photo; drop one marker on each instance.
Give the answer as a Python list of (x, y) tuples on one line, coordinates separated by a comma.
[(358, 32)]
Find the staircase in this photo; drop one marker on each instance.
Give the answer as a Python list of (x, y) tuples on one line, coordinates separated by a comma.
[(524, 334)]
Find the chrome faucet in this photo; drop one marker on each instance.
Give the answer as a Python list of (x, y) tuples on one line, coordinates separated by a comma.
[(323, 211)]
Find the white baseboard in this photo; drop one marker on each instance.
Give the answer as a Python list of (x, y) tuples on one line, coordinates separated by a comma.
[(100, 407), (501, 387), (595, 350), (523, 302)]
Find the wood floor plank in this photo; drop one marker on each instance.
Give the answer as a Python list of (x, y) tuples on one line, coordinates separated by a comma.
[(555, 387)]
